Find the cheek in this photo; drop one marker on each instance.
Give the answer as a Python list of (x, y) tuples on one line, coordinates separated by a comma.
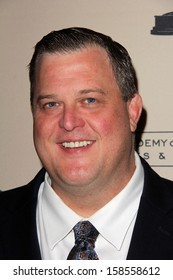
[(104, 128), (108, 123), (44, 125), (38, 128), (41, 130), (114, 126), (107, 127)]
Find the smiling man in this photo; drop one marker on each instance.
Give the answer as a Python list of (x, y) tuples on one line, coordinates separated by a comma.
[(95, 198), (82, 127)]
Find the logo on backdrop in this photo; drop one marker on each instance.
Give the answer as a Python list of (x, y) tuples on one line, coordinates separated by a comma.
[(156, 147), (163, 25)]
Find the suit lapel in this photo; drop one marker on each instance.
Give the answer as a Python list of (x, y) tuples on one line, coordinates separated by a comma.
[(20, 239), (153, 232), (19, 234)]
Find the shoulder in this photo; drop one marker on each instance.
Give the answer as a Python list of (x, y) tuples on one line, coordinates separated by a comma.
[(151, 175), (156, 188), (15, 198)]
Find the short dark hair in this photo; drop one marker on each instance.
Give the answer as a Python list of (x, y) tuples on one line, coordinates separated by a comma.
[(71, 39)]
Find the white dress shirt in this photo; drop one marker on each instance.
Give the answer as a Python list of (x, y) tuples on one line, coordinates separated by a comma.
[(115, 221)]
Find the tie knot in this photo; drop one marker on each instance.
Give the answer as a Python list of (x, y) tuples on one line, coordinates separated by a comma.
[(85, 237), (85, 231)]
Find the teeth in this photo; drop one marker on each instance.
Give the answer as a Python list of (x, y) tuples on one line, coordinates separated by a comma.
[(76, 144)]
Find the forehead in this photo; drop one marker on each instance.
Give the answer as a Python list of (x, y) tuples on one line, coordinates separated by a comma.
[(74, 72), (90, 54), (78, 70), (92, 62)]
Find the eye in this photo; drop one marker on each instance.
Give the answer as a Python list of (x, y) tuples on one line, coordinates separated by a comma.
[(50, 105), (90, 100)]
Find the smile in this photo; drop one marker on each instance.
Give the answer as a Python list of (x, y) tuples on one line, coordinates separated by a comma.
[(76, 144)]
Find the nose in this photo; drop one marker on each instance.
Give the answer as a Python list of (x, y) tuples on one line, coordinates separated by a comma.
[(71, 118)]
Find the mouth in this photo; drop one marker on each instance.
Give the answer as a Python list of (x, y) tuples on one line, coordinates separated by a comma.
[(76, 144)]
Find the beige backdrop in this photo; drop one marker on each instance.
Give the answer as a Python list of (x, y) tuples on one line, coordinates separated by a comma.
[(23, 23)]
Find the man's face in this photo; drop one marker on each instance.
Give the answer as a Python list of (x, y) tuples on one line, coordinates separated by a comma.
[(82, 127)]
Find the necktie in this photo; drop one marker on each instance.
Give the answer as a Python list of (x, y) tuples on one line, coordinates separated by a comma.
[(85, 237)]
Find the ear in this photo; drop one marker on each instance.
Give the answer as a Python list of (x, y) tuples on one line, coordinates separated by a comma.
[(134, 109)]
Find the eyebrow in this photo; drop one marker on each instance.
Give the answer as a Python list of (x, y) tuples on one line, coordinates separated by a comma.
[(48, 96), (97, 90), (83, 91)]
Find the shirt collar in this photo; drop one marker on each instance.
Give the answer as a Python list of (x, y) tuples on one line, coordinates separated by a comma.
[(118, 214), (57, 217), (121, 211)]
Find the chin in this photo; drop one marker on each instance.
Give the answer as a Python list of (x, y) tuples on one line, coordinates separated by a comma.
[(77, 178)]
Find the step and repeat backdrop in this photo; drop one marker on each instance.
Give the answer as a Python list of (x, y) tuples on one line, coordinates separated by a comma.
[(145, 28)]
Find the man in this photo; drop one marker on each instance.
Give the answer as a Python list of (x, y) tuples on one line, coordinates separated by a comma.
[(85, 108)]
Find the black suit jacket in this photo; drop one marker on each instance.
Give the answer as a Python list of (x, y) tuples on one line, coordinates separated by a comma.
[(152, 237)]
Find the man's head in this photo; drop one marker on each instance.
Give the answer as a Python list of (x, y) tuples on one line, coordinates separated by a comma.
[(83, 128), (71, 39)]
